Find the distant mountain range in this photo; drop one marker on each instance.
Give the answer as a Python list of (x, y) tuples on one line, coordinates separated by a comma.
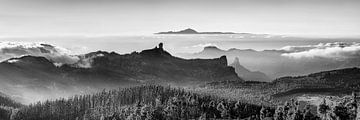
[(37, 76), (273, 63), (192, 31)]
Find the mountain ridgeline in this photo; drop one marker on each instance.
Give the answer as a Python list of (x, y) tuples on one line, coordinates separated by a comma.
[(99, 70), (275, 63)]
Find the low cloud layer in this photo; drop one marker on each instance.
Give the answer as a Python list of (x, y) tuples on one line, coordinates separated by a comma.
[(337, 51), (56, 54)]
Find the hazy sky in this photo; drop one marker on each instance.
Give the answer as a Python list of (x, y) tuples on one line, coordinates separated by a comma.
[(139, 17)]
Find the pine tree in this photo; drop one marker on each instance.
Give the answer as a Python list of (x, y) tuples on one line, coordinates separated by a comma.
[(323, 110), (279, 113)]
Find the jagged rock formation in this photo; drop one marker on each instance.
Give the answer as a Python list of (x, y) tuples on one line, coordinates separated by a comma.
[(247, 74)]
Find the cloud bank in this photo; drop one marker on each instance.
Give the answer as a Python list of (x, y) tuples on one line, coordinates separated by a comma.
[(337, 51), (56, 54)]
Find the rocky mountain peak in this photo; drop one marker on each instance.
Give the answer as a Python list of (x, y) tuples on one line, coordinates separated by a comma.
[(158, 51), (236, 61)]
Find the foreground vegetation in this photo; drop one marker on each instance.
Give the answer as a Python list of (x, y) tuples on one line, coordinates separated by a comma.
[(142, 102), (152, 102), (7, 107)]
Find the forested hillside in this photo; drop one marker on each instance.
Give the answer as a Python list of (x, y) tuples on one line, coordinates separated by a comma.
[(142, 102), (152, 102), (339, 82), (7, 107)]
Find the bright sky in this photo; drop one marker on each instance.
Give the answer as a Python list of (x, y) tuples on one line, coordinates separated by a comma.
[(139, 17)]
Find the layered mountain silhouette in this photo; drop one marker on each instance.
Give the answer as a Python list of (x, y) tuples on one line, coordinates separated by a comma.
[(273, 63), (247, 74), (100, 69), (192, 31)]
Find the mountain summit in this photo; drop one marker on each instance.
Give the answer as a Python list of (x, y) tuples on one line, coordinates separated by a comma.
[(192, 31)]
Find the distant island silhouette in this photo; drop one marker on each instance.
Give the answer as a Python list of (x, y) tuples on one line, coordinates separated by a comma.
[(192, 31)]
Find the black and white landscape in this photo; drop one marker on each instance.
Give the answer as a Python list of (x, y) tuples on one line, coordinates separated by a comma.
[(179, 60)]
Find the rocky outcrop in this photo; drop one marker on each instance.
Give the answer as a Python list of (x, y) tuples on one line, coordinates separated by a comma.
[(247, 74)]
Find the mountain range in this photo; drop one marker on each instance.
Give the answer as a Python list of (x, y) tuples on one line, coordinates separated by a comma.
[(276, 63), (32, 77)]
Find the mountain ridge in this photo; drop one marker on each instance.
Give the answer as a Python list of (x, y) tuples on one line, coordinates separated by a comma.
[(99, 70)]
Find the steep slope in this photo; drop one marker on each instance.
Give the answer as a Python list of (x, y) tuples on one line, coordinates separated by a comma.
[(247, 74), (37, 76)]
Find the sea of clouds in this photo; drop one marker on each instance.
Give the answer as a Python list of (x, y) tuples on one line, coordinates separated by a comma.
[(337, 51), (58, 55), (54, 53)]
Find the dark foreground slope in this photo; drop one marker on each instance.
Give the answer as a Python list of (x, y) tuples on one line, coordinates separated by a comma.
[(37, 77)]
